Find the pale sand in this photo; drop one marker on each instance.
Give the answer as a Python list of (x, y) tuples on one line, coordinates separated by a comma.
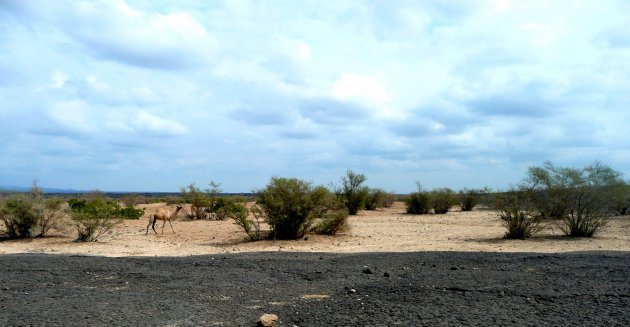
[(387, 230)]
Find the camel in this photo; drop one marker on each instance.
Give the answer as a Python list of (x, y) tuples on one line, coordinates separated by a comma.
[(164, 215)]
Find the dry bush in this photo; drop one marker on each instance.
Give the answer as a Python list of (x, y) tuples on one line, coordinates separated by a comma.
[(375, 199), (27, 215), (441, 200), (518, 214)]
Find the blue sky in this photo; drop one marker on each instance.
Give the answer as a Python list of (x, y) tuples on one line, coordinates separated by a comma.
[(153, 95)]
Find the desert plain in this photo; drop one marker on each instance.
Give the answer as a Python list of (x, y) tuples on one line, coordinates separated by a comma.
[(389, 268), (383, 230)]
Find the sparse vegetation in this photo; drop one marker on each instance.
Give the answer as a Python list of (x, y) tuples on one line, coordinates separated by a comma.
[(27, 215), (94, 218)]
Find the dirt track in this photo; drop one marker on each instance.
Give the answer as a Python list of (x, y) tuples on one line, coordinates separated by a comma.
[(316, 289)]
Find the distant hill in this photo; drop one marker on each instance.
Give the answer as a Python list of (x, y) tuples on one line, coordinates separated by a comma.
[(10, 188)]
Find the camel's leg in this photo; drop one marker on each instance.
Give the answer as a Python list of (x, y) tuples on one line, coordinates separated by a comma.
[(153, 226), (169, 222), (163, 223), (149, 224)]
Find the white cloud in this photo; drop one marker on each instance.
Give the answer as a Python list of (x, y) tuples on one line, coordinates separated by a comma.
[(149, 123), (360, 88), (59, 79), (72, 116)]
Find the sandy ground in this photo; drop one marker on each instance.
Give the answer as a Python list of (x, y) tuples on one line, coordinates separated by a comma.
[(387, 230)]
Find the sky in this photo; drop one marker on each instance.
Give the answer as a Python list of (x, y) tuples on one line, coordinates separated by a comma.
[(150, 96)]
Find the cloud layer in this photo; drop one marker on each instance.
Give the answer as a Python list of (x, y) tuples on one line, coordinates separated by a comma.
[(150, 96)]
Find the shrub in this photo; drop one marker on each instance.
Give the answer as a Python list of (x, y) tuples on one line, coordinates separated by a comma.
[(468, 199), (620, 199), (94, 218), (375, 199), (30, 215), (130, 212), (516, 211), (292, 206), (352, 192), (441, 200), (18, 216), (287, 206), (586, 214), (389, 200), (332, 222), (198, 200), (418, 203), (239, 213)]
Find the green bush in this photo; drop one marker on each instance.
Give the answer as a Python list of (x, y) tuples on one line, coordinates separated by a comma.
[(418, 203), (291, 207), (441, 200), (94, 218), (353, 192), (518, 214), (130, 212), (287, 206)]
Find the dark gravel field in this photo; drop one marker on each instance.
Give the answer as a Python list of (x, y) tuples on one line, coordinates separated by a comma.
[(318, 289)]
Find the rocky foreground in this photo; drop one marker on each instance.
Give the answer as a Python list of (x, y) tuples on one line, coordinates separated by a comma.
[(318, 289)]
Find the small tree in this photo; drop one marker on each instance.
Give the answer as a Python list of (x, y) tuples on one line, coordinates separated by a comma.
[(353, 192), (94, 218), (582, 198)]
